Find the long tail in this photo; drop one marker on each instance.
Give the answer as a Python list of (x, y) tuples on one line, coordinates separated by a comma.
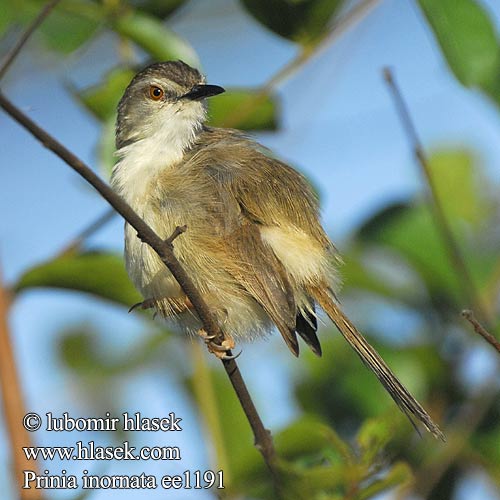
[(370, 357)]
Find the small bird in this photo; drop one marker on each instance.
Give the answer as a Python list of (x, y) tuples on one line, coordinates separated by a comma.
[(254, 246)]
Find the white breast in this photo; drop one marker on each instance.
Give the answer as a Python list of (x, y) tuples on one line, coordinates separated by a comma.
[(134, 177), (161, 146)]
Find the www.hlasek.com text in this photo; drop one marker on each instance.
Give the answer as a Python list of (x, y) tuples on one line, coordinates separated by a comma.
[(91, 451)]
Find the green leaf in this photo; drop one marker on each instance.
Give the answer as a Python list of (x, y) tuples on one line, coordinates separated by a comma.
[(69, 26), (302, 21), (467, 37), (100, 274), (160, 42), (373, 436), (106, 147), (369, 230), (6, 17), (309, 436), (411, 231), (458, 185), (157, 8), (399, 474), (414, 237), (359, 275), (81, 350), (102, 99), (245, 109)]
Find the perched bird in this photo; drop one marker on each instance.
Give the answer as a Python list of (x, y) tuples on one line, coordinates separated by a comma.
[(254, 246)]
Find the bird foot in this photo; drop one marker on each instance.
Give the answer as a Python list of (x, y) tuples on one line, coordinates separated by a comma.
[(145, 304), (219, 350)]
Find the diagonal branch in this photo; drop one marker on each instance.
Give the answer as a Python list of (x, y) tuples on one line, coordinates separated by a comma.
[(468, 287), (14, 52), (263, 440), (10, 384), (86, 232), (346, 22), (481, 330)]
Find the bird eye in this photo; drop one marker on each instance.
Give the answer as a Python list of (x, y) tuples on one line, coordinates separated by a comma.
[(155, 92)]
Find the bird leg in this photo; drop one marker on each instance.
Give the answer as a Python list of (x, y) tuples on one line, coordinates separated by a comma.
[(218, 350), (145, 304), (175, 305)]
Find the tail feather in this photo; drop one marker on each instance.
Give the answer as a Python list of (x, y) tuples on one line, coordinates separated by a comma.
[(306, 326), (405, 401)]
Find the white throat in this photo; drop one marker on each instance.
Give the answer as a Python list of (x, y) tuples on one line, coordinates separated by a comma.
[(162, 146)]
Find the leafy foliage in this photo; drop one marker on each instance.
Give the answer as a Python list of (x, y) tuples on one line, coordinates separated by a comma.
[(97, 273), (154, 37), (158, 8), (303, 21), (262, 113), (468, 40)]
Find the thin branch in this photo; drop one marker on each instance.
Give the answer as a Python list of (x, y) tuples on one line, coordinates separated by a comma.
[(263, 440), (177, 232), (94, 226), (459, 433), (10, 384), (479, 329), (468, 287), (355, 15), (205, 393), (13, 404), (14, 52)]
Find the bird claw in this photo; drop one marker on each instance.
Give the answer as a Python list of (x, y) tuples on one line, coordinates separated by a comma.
[(145, 304), (226, 357), (205, 336), (218, 350)]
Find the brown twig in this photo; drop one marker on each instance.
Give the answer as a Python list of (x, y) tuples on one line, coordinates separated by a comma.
[(263, 440), (177, 232), (352, 17), (460, 431), (13, 404), (479, 329), (467, 285), (95, 225), (13, 53)]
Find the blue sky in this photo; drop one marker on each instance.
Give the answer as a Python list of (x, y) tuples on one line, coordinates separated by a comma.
[(338, 126)]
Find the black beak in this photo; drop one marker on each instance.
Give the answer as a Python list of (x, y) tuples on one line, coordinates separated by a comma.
[(201, 91)]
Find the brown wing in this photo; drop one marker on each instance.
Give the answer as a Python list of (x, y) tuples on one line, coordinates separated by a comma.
[(261, 274), (265, 192), (268, 191)]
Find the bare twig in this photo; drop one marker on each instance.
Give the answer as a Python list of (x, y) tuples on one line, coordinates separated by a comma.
[(459, 433), (95, 225), (263, 440), (13, 53), (177, 232), (356, 14), (479, 329), (11, 391), (205, 393), (468, 287), (13, 404)]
